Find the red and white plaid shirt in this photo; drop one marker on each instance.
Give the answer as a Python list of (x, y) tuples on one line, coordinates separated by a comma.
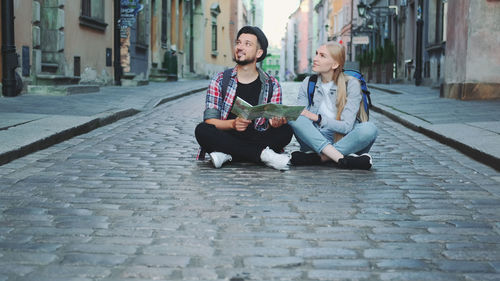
[(215, 107)]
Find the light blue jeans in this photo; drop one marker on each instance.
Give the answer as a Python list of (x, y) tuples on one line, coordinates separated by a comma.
[(310, 138)]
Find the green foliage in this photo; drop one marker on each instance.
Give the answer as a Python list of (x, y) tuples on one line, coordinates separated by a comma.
[(379, 54), (365, 59), (386, 54), (301, 77), (389, 53)]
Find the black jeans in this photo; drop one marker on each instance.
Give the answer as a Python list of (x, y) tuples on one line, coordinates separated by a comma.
[(242, 146)]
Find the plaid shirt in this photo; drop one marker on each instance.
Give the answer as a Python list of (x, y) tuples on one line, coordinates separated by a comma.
[(217, 108)]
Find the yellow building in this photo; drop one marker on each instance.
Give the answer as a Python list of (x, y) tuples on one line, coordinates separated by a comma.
[(220, 33), (201, 36), (63, 42), (77, 42), (1, 57)]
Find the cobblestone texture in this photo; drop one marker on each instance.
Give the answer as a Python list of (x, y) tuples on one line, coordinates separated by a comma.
[(129, 202)]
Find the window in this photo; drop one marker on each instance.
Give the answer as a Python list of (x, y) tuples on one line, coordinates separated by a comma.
[(214, 37), (442, 10), (445, 18), (86, 8), (214, 11), (93, 14), (437, 22)]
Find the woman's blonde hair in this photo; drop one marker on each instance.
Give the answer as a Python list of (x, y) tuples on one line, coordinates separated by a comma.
[(337, 51)]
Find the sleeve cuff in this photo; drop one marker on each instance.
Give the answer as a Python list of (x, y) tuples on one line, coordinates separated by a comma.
[(211, 113)]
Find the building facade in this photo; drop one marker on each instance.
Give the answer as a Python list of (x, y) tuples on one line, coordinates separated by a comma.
[(302, 38), (52, 39), (323, 10), (272, 63), (129, 42), (472, 64), (404, 41)]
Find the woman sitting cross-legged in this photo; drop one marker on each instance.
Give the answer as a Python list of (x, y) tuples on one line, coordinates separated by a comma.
[(332, 127)]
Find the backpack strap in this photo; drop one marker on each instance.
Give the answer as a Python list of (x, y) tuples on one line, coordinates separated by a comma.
[(225, 82), (270, 93), (226, 77), (311, 86)]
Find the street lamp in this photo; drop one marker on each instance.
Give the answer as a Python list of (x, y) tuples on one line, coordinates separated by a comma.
[(377, 15), (361, 10)]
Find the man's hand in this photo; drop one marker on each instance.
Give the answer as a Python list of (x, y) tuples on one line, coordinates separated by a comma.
[(241, 124), (276, 122)]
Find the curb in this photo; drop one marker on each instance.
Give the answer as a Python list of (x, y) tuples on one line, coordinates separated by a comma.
[(160, 101), (390, 91), (473, 153), (165, 100), (64, 135), (83, 128)]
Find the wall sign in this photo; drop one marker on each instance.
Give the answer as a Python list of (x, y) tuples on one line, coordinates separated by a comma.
[(129, 10)]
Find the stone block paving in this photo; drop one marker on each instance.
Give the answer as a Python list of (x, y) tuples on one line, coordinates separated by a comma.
[(129, 202)]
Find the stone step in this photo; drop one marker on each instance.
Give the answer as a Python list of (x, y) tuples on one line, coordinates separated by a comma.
[(50, 67), (48, 79), (134, 82), (193, 76), (132, 79), (61, 90), (154, 78), (159, 71)]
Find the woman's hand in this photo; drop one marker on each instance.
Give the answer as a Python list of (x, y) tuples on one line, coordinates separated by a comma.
[(313, 117), (241, 124), (276, 122)]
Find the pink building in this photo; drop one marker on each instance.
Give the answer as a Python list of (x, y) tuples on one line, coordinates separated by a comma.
[(302, 18)]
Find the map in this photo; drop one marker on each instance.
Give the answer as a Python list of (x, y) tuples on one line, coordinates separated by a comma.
[(243, 109)]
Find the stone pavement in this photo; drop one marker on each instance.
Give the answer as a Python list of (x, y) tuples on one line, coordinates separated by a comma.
[(473, 127), (29, 123), (32, 122), (127, 202)]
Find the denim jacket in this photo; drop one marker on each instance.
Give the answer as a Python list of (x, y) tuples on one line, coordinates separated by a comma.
[(325, 105)]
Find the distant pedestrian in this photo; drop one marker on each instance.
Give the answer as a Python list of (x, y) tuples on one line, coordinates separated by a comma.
[(330, 128), (227, 137)]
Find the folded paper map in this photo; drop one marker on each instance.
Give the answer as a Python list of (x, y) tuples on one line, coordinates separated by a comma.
[(243, 109)]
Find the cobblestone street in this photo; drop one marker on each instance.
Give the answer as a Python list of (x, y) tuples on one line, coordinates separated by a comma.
[(128, 201)]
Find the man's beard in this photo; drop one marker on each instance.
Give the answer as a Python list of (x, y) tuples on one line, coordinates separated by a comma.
[(242, 62)]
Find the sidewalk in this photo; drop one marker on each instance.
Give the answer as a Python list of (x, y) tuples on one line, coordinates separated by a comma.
[(29, 123), (472, 127)]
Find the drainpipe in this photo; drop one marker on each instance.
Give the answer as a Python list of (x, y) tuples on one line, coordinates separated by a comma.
[(116, 43), (191, 36), (418, 56), (351, 31), (9, 56)]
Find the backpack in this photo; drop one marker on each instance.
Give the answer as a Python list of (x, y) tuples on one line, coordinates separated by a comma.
[(225, 83), (366, 101)]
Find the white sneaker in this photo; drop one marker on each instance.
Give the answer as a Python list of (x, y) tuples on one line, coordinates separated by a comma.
[(219, 158), (275, 160)]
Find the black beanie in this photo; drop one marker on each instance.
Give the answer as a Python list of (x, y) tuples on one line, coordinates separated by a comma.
[(261, 37)]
